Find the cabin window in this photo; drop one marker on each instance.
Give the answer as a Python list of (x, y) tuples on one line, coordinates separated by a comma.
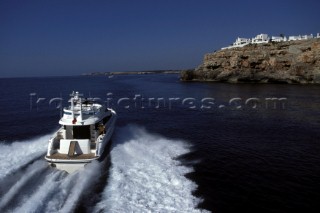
[(81, 132)]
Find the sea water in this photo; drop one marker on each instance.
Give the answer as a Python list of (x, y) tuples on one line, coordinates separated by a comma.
[(177, 147)]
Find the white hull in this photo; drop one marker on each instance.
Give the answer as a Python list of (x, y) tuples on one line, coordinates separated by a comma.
[(69, 167)]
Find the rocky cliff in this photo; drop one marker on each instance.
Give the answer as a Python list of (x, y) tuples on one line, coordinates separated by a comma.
[(283, 62)]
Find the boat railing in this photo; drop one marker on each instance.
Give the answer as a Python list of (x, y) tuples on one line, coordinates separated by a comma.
[(84, 109), (60, 135)]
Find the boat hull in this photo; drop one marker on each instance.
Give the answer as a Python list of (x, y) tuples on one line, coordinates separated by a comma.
[(73, 164), (68, 167)]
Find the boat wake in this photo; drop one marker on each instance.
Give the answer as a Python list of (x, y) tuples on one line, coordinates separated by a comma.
[(28, 184), (18, 154), (144, 176)]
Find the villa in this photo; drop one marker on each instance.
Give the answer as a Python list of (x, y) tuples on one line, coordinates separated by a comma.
[(304, 37), (259, 39), (240, 42), (278, 38)]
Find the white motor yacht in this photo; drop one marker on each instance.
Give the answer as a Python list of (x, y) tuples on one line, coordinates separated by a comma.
[(86, 129)]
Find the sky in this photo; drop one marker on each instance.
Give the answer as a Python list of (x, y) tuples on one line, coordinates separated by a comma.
[(65, 37)]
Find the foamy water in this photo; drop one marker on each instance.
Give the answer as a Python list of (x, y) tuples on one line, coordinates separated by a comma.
[(68, 191), (43, 189), (35, 187), (15, 155), (145, 177)]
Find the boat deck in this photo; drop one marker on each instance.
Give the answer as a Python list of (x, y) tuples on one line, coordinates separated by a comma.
[(74, 157)]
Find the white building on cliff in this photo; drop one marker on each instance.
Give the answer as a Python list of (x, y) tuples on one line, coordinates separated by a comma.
[(278, 38), (264, 38), (299, 37), (261, 38), (240, 42)]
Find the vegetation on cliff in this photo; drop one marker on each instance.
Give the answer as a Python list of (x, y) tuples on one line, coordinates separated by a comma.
[(281, 62)]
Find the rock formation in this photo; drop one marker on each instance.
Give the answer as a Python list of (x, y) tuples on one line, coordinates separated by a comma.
[(273, 62)]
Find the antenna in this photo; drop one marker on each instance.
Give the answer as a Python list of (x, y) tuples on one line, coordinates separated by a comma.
[(61, 111)]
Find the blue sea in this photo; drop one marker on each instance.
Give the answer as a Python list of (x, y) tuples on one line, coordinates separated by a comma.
[(177, 146)]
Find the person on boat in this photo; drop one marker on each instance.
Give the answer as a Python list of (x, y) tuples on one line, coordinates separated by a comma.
[(101, 129)]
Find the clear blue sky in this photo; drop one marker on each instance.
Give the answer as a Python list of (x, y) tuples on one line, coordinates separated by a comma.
[(64, 37)]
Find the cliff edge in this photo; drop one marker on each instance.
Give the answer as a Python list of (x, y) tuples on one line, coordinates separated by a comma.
[(273, 62)]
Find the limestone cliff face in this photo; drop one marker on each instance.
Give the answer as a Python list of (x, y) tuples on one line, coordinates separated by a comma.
[(283, 62)]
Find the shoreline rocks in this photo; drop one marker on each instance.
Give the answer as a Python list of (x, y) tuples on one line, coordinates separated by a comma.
[(293, 62)]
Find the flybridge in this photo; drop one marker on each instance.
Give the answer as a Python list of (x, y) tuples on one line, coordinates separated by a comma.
[(81, 111), (264, 38)]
